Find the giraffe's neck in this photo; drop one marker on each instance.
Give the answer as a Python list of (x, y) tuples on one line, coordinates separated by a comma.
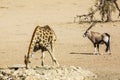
[(31, 42)]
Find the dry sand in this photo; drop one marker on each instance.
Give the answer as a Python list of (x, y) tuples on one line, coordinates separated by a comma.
[(19, 18)]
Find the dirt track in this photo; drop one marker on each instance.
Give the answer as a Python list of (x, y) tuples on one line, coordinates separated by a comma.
[(18, 20)]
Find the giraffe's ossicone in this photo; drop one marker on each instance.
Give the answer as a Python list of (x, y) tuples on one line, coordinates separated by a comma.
[(43, 39)]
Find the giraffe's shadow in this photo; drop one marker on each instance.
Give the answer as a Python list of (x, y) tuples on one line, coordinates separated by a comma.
[(82, 53)]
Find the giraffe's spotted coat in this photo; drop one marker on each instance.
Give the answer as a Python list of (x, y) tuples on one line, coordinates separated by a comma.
[(43, 39)]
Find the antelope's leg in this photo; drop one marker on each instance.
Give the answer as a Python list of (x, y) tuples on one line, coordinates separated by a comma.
[(108, 47), (95, 49), (98, 49)]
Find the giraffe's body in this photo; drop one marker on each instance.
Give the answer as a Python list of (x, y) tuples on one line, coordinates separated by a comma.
[(43, 39)]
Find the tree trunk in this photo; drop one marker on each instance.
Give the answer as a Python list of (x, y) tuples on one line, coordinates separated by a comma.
[(108, 15), (117, 6)]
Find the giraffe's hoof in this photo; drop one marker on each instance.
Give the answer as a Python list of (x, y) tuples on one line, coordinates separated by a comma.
[(42, 64)]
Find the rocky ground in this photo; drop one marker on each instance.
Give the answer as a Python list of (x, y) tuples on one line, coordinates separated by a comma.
[(47, 73), (18, 19)]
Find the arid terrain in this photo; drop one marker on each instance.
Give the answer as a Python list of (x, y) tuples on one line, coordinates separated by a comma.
[(19, 18)]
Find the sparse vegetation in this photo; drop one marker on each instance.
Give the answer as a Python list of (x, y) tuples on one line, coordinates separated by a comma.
[(105, 9)]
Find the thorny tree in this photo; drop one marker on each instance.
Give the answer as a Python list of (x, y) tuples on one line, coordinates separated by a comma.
[(105, 7)]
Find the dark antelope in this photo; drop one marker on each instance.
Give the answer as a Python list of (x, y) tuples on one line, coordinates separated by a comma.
[(96, 38)]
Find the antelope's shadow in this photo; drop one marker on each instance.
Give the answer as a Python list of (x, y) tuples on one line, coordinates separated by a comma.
[(83, 53)]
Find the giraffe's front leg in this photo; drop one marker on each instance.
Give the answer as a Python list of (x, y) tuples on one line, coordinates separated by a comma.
[(43, 58), (52, 53), (53, 58)]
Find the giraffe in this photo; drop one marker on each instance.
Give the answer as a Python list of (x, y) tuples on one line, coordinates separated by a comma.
[(43, 39)]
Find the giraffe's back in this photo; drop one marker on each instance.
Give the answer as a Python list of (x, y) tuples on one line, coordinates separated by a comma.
[(43, 37)]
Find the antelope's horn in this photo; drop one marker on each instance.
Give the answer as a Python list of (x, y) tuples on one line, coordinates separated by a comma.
[(91, 26)]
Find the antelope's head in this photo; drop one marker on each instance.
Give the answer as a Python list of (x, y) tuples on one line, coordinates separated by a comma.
[(87, 31), (85, 34)]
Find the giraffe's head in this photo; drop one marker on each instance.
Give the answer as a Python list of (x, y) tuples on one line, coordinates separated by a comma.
[(26, 61)]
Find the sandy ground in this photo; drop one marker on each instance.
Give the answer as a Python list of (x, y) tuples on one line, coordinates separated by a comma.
[(19, 18)]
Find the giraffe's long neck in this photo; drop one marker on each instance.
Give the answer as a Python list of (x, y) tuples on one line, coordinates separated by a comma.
[(30, 45)]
